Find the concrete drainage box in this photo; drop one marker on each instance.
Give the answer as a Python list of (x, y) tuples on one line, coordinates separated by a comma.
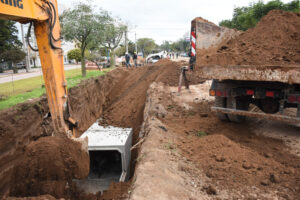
[(109, 149)]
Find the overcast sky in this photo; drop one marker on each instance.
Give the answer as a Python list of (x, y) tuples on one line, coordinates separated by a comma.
[(164, 19)]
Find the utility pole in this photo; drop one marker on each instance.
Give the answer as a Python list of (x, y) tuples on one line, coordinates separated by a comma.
[(126, 40), (26, 50), (135, 44)]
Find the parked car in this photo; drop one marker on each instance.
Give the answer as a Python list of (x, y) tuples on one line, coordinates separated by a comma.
[(21, 65), (184, 55), (153, 59)]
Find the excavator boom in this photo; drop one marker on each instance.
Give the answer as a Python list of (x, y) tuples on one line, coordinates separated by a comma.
[(43, 14)]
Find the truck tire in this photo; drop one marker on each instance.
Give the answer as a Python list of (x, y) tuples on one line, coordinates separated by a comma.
[(239, 104), (221, 102)]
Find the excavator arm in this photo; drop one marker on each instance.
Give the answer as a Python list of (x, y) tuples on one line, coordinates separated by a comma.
[(43, 14)]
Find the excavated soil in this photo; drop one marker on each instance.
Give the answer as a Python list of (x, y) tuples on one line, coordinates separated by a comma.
[(120, 96), (274, 41), (48, 166), (209, 159), (231, 162)]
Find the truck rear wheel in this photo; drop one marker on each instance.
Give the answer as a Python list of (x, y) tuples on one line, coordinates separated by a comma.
[(239, 104), (221, 102)]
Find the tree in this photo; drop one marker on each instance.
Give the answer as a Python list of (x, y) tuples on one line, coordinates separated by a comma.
[(146, 45), (83, 26), (247, 17), (122, 50), (13, 55), (180, 45), (8, 35), (74, 54), (34, 57), (113, 34), (97, 56), (10, 46), (166, 46)]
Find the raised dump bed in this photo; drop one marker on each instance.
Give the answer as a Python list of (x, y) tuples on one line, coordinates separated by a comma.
[(109, 149), (283, 74), (250, 68), (207, 35)]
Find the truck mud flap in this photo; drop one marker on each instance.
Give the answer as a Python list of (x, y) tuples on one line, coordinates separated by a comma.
[(277, 117)]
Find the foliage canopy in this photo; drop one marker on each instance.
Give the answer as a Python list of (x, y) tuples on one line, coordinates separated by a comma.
[(10, 46), (83, 26), (74, 54), (247, 17)]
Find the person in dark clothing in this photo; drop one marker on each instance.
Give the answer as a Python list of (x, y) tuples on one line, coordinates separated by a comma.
[(127, 59), (135, 59)]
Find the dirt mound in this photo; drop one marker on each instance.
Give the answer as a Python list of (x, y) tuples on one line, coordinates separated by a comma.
[(221, 157), (224, 158), (274, 41), (48, 165), (170, 72)]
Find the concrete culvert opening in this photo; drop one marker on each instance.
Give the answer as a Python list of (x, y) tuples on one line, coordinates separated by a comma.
[(109, 150), (105, 164)]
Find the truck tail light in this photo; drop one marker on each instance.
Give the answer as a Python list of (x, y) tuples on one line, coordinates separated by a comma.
[(212, 93), (219, 93), (250, 92), (292, 99), (269, 93)]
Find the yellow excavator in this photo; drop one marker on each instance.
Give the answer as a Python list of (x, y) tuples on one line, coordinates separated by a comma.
[(43, 16)]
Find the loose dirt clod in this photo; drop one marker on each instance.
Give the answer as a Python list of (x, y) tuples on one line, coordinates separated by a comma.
[(210, 190)]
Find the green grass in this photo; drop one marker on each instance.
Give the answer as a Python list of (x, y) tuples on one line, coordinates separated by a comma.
[(31, 88)]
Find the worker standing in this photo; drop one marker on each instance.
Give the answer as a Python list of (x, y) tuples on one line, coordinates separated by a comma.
[(135, 59), (127, 59)]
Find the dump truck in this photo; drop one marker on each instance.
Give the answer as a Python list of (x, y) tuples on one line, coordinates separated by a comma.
[(245, 90)]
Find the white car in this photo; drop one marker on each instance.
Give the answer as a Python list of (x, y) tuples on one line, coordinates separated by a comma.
[(153, 58)]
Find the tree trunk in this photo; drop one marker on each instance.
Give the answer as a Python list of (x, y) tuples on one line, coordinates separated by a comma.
[(15, 68), (112, 59), (34, 63), (83, 68)]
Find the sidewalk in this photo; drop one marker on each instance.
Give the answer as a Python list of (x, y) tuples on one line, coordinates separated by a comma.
[(9, 75)]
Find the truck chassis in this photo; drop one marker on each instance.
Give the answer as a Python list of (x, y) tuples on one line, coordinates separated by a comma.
[(233, 99)]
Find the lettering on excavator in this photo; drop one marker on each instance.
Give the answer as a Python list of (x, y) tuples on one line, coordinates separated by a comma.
[(15, 3)]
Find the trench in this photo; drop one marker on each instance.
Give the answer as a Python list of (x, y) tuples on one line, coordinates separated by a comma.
[(125, 105), (117, 99)]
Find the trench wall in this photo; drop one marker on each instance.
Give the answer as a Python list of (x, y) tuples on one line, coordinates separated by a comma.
[(27, 122)]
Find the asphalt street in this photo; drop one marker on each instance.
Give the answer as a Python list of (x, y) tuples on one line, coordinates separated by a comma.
[(10, 76)]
